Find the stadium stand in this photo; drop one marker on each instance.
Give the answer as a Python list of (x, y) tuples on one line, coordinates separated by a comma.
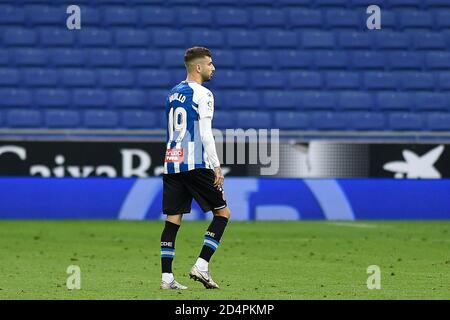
[(290, 64)]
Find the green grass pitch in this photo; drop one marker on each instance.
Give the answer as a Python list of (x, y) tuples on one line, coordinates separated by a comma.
[(256, 260)]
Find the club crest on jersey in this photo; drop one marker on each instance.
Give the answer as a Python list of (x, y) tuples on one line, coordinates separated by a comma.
[(174, 155)]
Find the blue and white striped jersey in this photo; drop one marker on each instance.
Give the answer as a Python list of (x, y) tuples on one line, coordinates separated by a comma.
[(186, 103)]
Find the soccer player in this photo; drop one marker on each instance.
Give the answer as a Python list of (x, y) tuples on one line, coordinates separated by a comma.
[(191, 167)]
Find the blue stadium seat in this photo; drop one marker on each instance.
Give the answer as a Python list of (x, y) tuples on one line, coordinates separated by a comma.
[(120, 16), (62, 118), (342, 80), (437, 3), (30, 57), (51, 98), (438, 60), (406, 60), (123, 98), (40, 77), (381, 80), (291, 120), (144, 58), (220, 2), (155, 78), (173, 58), (366, 3), (11, 15), (343, 18), (15, 98), (57, 37), (387, 39), (224, 120), (46, 15), (224, 58), (318, 39), (279, 99), (417, 80), (1, 119), (230, 79), (368, 60), (360, 120), (231, 17), (291, 59), (169, 38), (178, 75), (281, 39), (105, 58), (19, 37), (331, 59), (430, 40), (294, 2), (405, 121), (156, 99), (255, 59), (182, 2), (356, 40), (331, 3), (438, 121), (97, 119), (78, 77), (257, 2), (116, 78), (131, 38), (90, 16), (89, 98), (406, 3), (240, 99), (318, 100), (253, 119), (139, 119), (444, 80), (242, 38), (355, 100), (329, 121), (305, 18), (68, 57), (415, 19), (93, 37), (267, 79), (4, 57), (23, 118), (265, 17), (432, 101), (443, 18), (9, 77), (388, 20), (157, 16), (394, 100), (194, 16), (305, 79), (207, 38)]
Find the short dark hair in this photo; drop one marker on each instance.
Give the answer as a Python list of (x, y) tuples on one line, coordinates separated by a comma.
[(196, 52)]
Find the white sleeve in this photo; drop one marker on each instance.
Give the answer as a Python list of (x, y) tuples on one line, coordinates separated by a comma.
[(205, 126), (206, 105)]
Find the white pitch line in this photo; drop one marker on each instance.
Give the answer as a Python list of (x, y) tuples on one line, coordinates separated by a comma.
[(353, 224)]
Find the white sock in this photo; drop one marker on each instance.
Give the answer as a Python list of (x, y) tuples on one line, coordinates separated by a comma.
[(167, 277), (202, 264)]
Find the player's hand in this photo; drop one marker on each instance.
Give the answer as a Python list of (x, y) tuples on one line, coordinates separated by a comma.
[(219, 178)]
